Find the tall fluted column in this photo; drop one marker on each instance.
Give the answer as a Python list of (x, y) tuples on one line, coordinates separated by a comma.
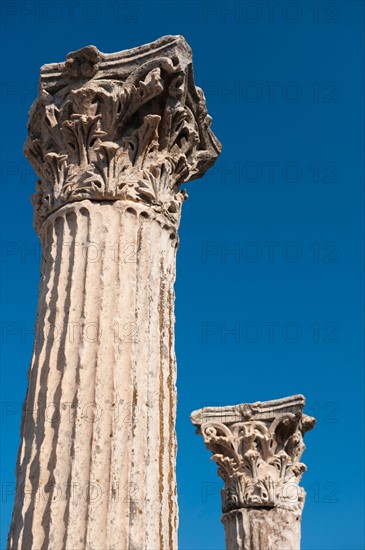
[(258, 447), (112, 137)]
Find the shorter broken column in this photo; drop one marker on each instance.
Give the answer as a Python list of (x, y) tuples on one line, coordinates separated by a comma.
[(257, 447)]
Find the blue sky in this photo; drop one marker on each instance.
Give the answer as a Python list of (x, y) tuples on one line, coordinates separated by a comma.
[(284, 86)]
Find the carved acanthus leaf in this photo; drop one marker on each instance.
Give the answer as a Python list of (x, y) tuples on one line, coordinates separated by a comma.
[(258, 452), (119, 126)]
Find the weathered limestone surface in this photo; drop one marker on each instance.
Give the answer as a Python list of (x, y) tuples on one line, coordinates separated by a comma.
[(258, 447), (112, 137), (258, 529)]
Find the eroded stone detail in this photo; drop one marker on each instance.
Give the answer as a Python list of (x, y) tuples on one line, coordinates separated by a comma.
[(130, 125), (258, 449)]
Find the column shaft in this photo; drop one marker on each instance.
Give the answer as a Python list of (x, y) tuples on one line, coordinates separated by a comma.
[(98, 451), (269, 529)]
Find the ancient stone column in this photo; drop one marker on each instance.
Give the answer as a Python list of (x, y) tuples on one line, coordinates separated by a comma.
[(257, 447), (112, 138)]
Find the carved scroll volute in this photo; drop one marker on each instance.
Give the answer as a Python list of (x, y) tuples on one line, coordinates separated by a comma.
[(122, 126), (258, 448)]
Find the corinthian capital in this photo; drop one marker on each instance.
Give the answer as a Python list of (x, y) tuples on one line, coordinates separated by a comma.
[(257, 447), (129, 125)]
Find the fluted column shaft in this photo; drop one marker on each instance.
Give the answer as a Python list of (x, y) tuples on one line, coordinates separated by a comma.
[(255, 529), (98, 437)]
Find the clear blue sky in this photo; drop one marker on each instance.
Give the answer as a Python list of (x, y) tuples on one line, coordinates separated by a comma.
[(284, 86)]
